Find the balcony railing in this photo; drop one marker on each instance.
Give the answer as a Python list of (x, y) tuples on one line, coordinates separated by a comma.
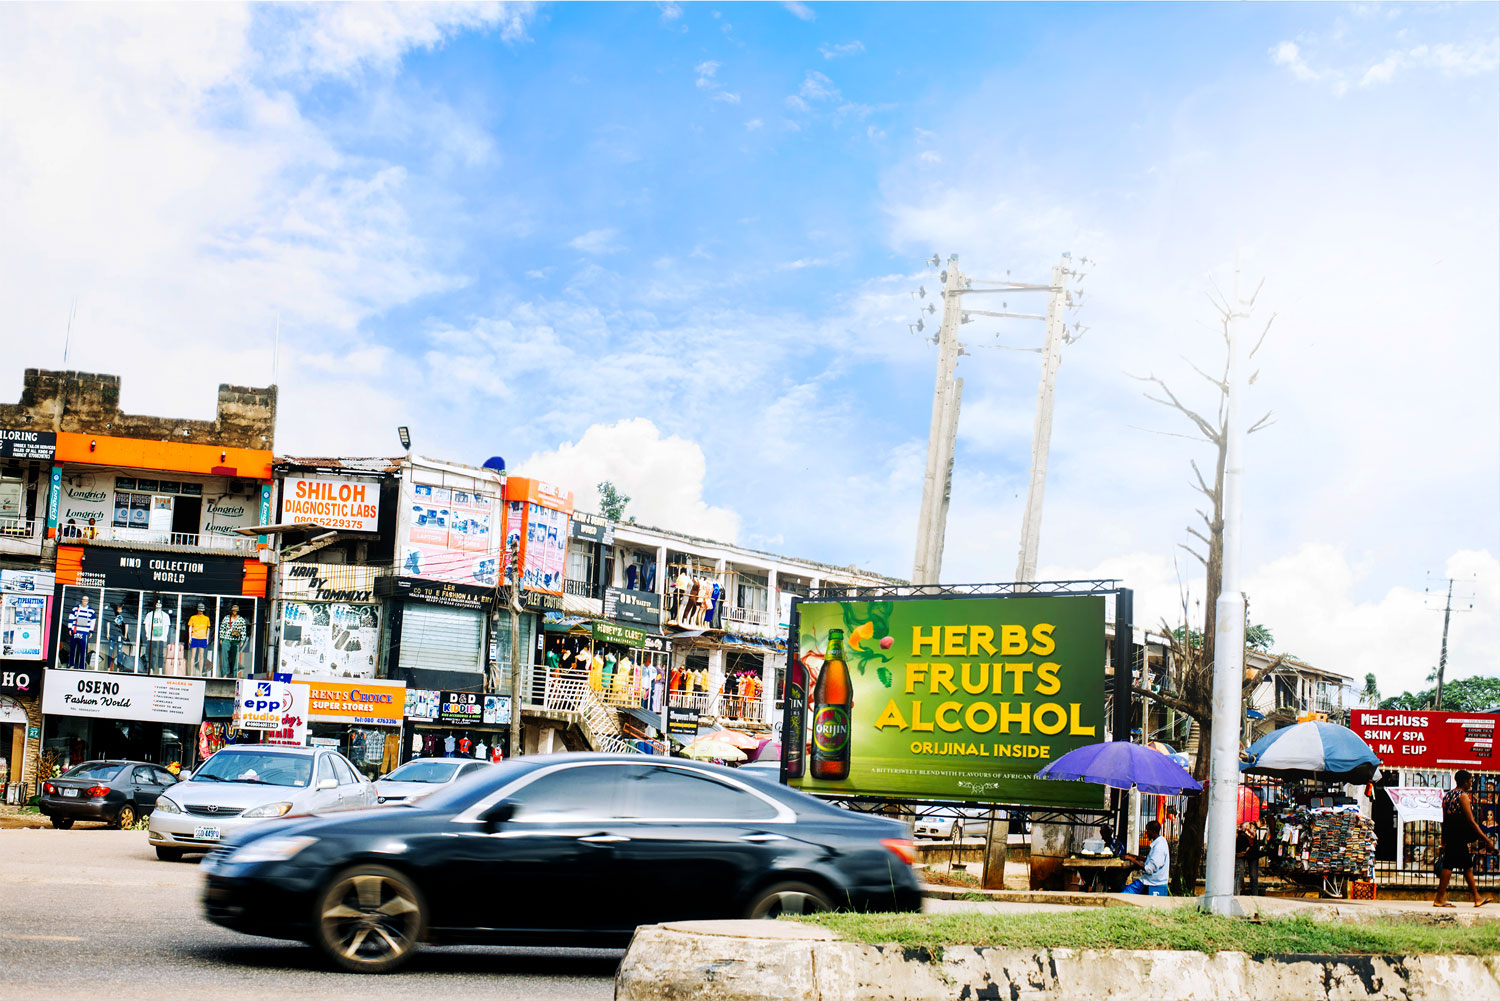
[(739, 707), (20, 528), (187, 540), (579, 588), (753, 616)]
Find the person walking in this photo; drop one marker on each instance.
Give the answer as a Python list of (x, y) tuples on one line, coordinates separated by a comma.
[(1156, 869), (1459, 829)]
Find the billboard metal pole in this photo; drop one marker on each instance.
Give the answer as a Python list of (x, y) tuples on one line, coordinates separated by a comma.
[(1124, 674)]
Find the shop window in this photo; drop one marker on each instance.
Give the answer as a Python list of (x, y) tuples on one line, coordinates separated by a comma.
[(78, 628), (580, 563), (119, 631), (751, 593)]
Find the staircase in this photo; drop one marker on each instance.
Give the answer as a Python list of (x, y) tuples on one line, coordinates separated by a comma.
[(598, 723)]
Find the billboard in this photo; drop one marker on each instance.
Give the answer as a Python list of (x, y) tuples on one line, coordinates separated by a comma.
[(950, 698), (333, 502), (1427, 739), (261, 705), (151, 698), (537, 515)]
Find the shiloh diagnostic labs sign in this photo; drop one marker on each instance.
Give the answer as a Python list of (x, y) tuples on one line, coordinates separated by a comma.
[(951, 698)]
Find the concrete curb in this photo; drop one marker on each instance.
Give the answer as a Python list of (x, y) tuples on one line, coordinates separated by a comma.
[(762, 961)]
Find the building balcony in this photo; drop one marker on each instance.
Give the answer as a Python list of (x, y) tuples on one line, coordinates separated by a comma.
[(747, 616), (22, 535), (110, 535), (579, 588)]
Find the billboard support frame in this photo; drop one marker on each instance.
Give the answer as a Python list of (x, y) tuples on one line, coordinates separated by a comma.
[(1122, 654)]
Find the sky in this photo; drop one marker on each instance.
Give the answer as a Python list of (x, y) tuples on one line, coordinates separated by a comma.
[(675, 246)]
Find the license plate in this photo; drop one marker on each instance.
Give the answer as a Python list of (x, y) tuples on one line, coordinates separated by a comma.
[(206, 833), (72, 793)]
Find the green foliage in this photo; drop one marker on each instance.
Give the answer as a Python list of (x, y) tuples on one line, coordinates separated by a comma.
[(1371, 691), (612, 502), (1459, 695), (1260, 638), (1182, 928)]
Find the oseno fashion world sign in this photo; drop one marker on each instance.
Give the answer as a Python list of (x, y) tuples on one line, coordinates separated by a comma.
[(102, 695), (332, 502)]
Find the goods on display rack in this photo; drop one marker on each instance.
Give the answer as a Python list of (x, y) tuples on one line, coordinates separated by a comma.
[(1325, 845)]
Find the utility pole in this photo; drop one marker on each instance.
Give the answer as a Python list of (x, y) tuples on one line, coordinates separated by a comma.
[(1041, 442), (1229, 639), (513, 574), (1437, 700), (937, 482)]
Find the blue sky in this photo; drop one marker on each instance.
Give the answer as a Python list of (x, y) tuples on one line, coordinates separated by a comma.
[(674, 245)]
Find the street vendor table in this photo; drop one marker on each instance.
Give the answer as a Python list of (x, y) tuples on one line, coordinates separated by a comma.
[(1098, 866)]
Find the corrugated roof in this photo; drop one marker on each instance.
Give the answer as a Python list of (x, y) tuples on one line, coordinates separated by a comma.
[(378, 464)]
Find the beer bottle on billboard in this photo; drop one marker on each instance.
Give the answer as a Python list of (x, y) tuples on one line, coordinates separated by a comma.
[(833, 705), (794, 728)]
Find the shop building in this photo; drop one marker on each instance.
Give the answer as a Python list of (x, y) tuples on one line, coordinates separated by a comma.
[(138, 520)]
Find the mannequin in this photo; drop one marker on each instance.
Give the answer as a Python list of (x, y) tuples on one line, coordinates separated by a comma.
[(156, 630), (81, 622), (199, 626), (234, 631), (118, 631)]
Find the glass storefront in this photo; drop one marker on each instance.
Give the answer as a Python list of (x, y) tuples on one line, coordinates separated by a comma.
[(157, 632), (70, 740)]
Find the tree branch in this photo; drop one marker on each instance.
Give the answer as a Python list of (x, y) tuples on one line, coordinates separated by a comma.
[(1262, 339), (1266, 421), (1173, 702), (1193, 553)]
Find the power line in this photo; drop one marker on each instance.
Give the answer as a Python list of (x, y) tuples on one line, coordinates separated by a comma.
[(1448, 610)]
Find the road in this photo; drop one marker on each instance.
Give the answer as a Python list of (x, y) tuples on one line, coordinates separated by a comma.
[(92, 913)]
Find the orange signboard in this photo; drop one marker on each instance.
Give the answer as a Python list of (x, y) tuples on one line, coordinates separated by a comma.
[(537, 492), (378, 703), (173, 456)]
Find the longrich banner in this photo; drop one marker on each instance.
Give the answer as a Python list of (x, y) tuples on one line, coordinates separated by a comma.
[(947, 698)]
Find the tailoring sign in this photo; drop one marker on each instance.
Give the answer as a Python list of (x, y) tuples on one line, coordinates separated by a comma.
[(332, 502)]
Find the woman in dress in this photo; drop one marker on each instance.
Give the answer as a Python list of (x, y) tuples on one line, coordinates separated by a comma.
[(1459, 828)]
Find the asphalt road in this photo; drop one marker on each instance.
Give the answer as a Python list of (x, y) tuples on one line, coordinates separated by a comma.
[(92, 913)]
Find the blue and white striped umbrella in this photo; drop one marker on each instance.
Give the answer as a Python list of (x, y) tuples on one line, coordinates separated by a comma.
[(1325, 750)]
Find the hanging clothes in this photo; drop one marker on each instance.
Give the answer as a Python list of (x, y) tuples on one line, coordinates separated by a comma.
[(391, 758)]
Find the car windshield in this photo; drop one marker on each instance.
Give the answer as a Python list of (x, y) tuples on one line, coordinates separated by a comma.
[(257, 768), (102, 770), (424, 771)]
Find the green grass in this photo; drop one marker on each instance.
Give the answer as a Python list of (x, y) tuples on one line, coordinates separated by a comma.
[(1185, 929)]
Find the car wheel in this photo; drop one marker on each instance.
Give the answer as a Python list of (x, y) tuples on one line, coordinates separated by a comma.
[(788, 898), (169, 854), (62, 823), (125, 818), (370, 919)]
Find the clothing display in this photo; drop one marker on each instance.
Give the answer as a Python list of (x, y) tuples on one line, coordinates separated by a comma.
[(481, 749), (416, 745), (465, 746), (448, 743), (81, 621)]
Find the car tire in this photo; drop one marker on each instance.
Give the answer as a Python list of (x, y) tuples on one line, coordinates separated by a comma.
[(169, 854), (62, 823), (369, 919), (788, 898), (124, 817)]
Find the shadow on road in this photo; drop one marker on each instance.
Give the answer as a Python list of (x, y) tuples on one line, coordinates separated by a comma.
[(514, 961)]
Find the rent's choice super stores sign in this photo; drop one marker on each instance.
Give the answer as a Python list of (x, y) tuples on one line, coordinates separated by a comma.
[(963, 698), (348, 505), (1437, 741), (381, 703)]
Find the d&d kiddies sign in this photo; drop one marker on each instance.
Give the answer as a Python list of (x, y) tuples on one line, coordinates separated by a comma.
[(955, 698)]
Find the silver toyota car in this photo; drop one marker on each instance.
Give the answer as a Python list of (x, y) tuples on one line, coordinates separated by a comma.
[(246, 784), (421, 776)]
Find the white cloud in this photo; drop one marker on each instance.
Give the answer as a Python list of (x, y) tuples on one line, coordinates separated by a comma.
[(930, 156), (834, 51), (1289, 54), (796, 103), (597, 241), (817, 87), (706, 72), (670, 12), (799, 10), (754, 124), (664, 477), (727, 97), (1474, 59)]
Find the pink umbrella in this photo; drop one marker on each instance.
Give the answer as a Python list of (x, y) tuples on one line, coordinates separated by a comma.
[(769, 750)]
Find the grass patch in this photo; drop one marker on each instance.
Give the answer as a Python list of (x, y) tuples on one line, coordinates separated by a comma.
[(1183, 929), (955, 877)]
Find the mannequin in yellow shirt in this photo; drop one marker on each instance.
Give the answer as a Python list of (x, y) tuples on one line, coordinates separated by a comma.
[(199, 627)]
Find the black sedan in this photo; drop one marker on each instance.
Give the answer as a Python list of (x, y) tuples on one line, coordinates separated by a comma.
[(111, 792), (567, 849)]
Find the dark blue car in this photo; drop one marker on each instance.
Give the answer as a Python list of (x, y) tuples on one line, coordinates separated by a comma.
[(565, 849)]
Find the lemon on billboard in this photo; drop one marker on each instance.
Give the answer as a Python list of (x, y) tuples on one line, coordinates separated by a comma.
[(949, 698)]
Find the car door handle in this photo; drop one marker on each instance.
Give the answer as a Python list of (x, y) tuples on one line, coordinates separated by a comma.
[(764, 837), (604, 839)]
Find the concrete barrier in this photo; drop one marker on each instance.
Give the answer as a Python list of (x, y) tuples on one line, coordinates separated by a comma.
[(785, 961)]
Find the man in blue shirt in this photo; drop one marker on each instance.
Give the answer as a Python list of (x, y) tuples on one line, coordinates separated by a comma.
[(1154, 871)]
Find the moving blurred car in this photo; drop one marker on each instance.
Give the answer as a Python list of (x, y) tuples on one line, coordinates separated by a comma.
[(111, 792), (247, 784), (421, 776), (563, 849)]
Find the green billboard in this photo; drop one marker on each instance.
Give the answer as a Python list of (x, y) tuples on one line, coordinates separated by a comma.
[(946, 698)]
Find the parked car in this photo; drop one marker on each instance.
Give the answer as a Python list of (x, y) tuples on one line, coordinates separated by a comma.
[(967, 822), (563, 849), (111, 792), (247, 784), (421, 776)]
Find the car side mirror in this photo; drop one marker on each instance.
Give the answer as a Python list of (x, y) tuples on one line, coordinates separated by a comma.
[(184, 775), (497, 815), (328, 784)]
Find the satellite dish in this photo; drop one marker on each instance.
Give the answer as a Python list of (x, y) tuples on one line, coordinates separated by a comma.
[(496, 463)]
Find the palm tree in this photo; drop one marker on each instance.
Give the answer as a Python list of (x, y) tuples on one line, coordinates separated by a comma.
[(1371, 693)]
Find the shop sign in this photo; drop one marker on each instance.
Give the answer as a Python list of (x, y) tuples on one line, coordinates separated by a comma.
[(12, 712), (592, 528), (21, 444), (20, 682), (955, 698), (460, 707), (149, 571), (33, 733), (537, 601), (497, 710), (23, 613), (421, 703), (329, 621), (293, 729), (682, 722), (658, 644), (438, 592), (381, 703), (449, 535), (610, 632), (261, 705), (1430, 740), (632, 606), (536, 529), (332, 502), (100, 695)]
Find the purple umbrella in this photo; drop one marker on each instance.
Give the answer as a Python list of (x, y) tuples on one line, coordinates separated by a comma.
[(769, 750), (1121, 765)]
